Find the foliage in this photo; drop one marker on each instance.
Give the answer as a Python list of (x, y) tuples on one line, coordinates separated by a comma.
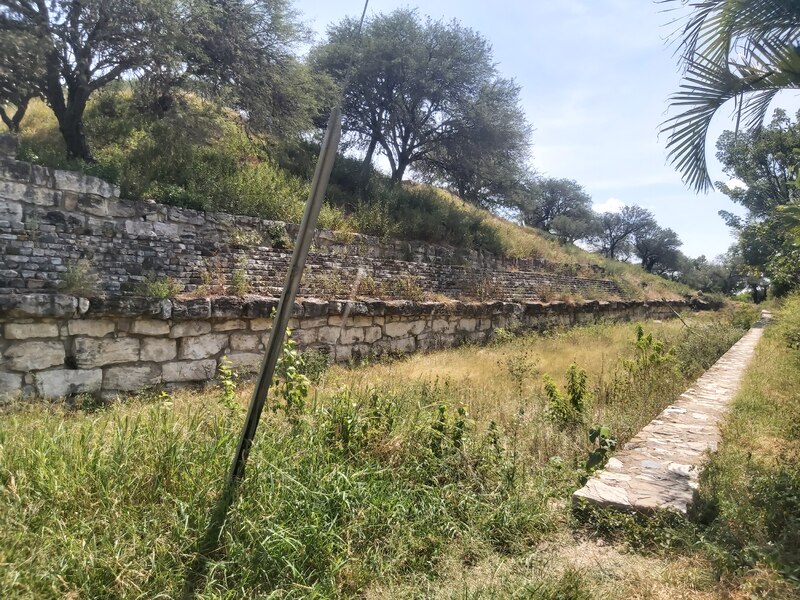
[(414, 90), (788, 322), (765, 165), (657, 248), (558, 206), (159, 287), (731, 50), (292, 384), (226, 379), (80, 278), (614, 231), (598, 457), (568, 408), (240, 281)]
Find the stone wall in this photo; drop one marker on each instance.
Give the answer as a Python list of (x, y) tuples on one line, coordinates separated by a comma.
[(54, 223), (57, 345)]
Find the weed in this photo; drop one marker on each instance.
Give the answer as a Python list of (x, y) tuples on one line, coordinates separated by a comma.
[(159, 287), (226, 379), (277, 236), (246, 238), (568, 408), (81, 279), (292, 385), (240, 281), (605, 444)]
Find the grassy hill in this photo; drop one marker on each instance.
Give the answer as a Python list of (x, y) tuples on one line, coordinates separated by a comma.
[(200, 156)]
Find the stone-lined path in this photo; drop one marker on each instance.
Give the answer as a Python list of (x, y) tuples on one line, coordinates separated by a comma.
[(659, 468)]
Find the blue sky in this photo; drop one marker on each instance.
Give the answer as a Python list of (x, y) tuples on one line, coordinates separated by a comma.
[(596, 76)]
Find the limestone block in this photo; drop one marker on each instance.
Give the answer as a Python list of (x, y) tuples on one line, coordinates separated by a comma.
[(246, 361), (190, 370), (32, 356), (97, 352), (343, 353), (362, 320), (242, 342), (150, 327), (90, 327), (202, 346), (329, 335), (306, 337), (314, 322), (10, 211), (196, 308), (229, 325), (37, 305), (131, 378), (23, 331), (189, 329), (93, 205), (83, 184), (339, 320), (468, 325), (417, 327), (397, 329), (158, 350), (352, 335), (372, 334), (402, 345), (58, 383), (10, 384), (260, 324)]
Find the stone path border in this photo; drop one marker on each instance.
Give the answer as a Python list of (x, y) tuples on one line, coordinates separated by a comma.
[(660, 467)]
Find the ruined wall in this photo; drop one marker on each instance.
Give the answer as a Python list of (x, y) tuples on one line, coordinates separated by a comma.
[(53, 223), (57, 345)]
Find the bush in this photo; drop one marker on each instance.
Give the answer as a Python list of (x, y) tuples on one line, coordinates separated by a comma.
[(788, 322)]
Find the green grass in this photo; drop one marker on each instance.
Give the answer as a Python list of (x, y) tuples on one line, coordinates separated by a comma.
[(377, 488)]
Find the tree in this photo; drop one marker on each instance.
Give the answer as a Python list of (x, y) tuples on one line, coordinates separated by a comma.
[(747, 50), (484, 159), (614, 231), (21, 66), (656, 248), (86, 45), (415, 88), (546, 199), (765, 164)]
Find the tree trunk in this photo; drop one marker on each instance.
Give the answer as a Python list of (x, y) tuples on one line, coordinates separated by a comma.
[(400, 170), (13, 122), (366, 167), (71, 126)]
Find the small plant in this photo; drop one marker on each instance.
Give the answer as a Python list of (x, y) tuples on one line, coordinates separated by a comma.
[(292, 383), (567, 408), (80, 279), (159, 287), (240, 281), (226, 378), (246, 238), (502, 335), (519, 366), (604, 443), (315, 363), (405, 287), (276, 234)]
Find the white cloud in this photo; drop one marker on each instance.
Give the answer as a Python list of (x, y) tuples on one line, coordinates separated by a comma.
[(612, 205), (736, 184)]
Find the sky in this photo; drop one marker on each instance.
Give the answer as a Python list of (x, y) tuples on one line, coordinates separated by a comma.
[(596, 76)]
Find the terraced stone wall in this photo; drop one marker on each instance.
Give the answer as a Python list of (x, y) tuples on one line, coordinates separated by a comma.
[(57, 345), (56, 224)]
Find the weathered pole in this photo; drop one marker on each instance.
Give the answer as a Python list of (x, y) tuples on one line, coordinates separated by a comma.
[(322, 173)]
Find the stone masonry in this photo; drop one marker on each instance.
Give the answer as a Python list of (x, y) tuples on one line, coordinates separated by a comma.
[(56, 345), (53, 222), (660, 467)]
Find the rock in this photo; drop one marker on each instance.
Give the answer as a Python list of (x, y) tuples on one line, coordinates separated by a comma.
[(90, 327), (38, 305), (127, 306), (150, 327), (397, 329), (84, 184), (202, 346), (32, 356), (10, 384), (196, 308), (227, 307), (246, 361), (189, 329), (192, 370), (131, 378), (98, 352), (58, 383), (23, 331), (158, 350), (230, 325), (244, 342)]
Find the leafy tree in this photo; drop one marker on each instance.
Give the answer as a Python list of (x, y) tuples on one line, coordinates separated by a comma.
[(484, 158), (746, 50), (418, 88), (615, 231), (21, 65), (766, 164), (657, 248), (86, 45), (558, 206)]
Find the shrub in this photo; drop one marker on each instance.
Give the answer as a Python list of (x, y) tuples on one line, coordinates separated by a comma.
[(80, 279), (788, 321)]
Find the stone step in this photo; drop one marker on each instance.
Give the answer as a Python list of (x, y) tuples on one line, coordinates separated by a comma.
[(659, 468)]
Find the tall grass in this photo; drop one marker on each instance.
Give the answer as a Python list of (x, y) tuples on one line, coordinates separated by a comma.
[(389, 470)]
